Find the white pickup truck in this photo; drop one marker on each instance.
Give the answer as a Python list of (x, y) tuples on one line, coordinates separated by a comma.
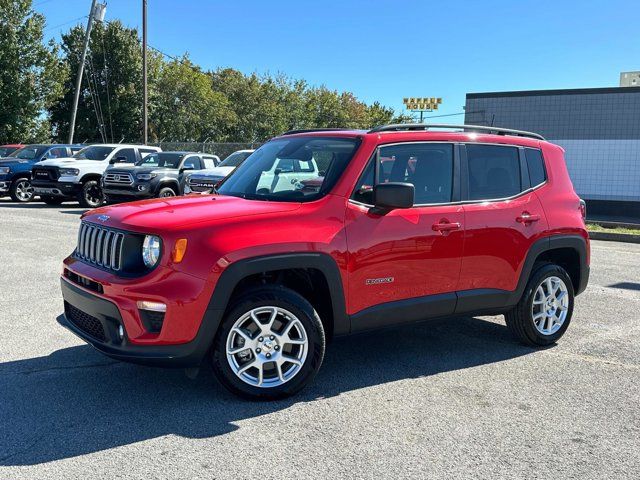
[(78, 177)]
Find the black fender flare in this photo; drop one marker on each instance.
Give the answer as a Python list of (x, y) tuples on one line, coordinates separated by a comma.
[(574, 242), (322, 262), (167, 182), (91, 176)]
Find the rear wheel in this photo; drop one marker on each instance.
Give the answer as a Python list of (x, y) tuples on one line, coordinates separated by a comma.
[(166, 192), (91, 194), (270, 344), (21, 190), (52, 200), (545, 309)]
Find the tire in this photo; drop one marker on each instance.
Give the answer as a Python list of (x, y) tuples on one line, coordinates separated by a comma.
[(290, 310), (91, 195), (546, 329), (21, 190), (52, 200), (167, 192)]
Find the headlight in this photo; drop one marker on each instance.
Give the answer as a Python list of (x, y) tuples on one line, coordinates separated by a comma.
[(69, 172), (5, 169), (146, 176), (151, 251)]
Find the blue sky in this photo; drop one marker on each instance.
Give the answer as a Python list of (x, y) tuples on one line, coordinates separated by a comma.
[(385, 50)]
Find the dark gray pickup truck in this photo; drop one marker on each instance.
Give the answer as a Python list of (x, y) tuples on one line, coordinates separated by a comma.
[(156, 175)]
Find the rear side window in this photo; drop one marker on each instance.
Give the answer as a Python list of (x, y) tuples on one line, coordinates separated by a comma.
[(535, 164), (494, 172)]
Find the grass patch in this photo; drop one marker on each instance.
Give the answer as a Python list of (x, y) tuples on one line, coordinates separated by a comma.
[(594, 227)]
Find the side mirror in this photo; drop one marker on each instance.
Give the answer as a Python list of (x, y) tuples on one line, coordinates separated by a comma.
[(392, 195), (184, 169)]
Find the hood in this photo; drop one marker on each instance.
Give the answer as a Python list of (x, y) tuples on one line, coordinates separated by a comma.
[(135, 170), (216, 172), (67, 162), (160, 214), (12, 162)]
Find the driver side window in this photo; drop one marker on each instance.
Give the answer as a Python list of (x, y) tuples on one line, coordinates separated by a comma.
[(427, 166)]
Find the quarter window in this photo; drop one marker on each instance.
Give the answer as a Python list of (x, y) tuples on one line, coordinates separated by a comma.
[(494, 172), (428, 166), (535, 165)]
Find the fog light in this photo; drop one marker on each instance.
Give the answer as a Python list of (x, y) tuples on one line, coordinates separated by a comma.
[(151, 306), (141, 188), (120, 332)]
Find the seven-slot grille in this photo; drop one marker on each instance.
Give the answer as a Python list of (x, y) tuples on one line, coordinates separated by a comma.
[(118, 178), (100, 246)]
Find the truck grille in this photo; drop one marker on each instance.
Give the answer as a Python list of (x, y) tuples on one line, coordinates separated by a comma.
[(45, 173), (85, 322), (100, 246), (118, 178), (202, 185)]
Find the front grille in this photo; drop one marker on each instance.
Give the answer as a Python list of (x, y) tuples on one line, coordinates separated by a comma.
[(85, 322), (201, 185), (45, 173), (100, 246), (118, 179)]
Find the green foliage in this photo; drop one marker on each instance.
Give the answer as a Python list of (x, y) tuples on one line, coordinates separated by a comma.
[(110, 105), (186, 104), (30, 73)]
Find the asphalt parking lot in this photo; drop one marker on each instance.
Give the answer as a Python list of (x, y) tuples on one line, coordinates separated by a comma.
[(456, 399)]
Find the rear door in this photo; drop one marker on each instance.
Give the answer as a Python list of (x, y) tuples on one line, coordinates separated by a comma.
[(405, 265), (503, 217)]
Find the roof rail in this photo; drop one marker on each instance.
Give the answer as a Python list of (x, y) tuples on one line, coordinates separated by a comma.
[(310, 130), (400, 127)]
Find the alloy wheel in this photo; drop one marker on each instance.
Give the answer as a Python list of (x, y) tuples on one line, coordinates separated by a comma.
[(550, 305), (24, 190), (267, 347)]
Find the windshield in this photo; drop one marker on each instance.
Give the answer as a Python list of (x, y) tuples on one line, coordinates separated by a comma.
[(235, 159), (161, 160), (94, 152), (4, 151), (296, 169), (29, 153)]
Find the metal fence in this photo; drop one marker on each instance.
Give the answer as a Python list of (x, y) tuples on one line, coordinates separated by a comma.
[(222, 150)]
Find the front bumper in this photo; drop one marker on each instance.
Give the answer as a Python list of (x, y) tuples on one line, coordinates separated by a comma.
[(5, 186), (56, 189), (108, 314), (113, 194)]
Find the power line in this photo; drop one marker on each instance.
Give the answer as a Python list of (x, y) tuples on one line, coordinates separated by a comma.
[(65, 23)]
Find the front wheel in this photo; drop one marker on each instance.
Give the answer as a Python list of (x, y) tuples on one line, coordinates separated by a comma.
[(91, 194), (21, 190), (270, 344), (545, 309), (166, 192)]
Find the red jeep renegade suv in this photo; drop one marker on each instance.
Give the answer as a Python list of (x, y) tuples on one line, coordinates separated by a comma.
[(329, 232)]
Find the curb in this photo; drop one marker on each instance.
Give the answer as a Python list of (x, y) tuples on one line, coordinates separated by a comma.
[(614, 237)]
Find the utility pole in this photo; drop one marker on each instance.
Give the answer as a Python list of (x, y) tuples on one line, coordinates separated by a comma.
[(74, 107), (145, 119)]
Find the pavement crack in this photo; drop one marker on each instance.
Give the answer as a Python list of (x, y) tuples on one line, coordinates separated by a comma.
[(71, 367)]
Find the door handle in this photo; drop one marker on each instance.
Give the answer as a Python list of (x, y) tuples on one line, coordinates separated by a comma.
[(445, 226), (527, 218)]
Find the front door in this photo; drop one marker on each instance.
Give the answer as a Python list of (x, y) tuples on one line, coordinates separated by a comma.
[(405, 265)]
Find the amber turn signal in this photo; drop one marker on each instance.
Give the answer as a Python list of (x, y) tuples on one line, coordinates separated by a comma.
[(179, 250)]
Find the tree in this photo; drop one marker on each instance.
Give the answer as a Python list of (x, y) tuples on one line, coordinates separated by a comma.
[(110, 105), (30, 73), (185, 108)]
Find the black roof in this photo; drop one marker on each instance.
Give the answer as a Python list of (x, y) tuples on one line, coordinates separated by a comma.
[(568, 91)]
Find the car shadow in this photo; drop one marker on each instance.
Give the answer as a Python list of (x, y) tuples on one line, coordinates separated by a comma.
[(76, 401)]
